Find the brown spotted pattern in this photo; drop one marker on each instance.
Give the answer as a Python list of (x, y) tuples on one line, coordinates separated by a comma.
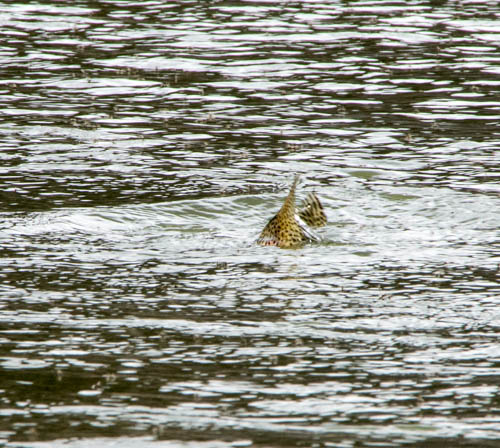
[(312, 212), (285, 230)]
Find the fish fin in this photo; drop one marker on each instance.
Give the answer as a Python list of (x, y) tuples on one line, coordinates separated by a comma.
[(312, 212)]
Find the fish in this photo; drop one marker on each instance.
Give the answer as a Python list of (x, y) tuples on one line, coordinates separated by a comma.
[(291, 228)]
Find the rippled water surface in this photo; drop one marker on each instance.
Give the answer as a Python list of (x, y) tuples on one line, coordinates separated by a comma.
[(143, 147)]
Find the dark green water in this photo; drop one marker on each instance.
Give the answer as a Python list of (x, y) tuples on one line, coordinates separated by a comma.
[(143, 148)]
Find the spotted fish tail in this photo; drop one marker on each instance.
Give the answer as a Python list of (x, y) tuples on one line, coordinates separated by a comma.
[(312, 212)]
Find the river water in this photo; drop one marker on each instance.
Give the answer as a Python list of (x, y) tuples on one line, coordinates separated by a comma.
[(143, 147)]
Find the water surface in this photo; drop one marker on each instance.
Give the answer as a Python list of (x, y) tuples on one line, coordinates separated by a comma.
[(143, 148)]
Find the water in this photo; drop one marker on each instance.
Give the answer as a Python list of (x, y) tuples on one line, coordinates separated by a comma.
[(143, 148)]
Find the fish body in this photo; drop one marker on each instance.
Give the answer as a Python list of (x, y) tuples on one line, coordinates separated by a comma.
[(289, 228)]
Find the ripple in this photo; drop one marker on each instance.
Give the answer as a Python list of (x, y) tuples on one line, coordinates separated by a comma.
[(144, 148)]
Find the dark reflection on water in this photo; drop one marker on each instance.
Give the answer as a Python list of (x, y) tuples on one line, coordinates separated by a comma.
[(143, 147)]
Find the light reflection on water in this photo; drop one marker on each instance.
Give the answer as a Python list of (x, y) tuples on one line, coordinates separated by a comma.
[(143, 149)]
